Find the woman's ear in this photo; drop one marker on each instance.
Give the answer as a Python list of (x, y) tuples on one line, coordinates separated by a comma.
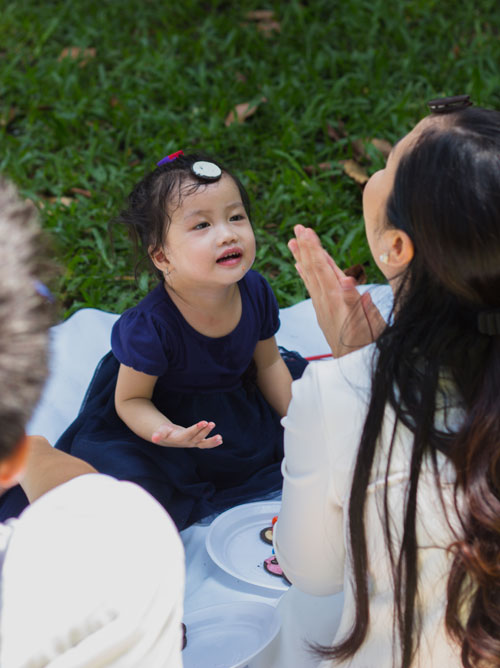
[(159, 258), (399, 249), (13, 466)]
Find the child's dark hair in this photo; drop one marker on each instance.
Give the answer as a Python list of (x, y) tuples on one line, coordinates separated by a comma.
[(152, 201)]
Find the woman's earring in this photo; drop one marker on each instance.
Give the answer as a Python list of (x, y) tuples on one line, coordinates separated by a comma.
[(384, 257)]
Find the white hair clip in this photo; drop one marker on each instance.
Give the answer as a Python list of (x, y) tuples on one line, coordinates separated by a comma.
[(208, 171)]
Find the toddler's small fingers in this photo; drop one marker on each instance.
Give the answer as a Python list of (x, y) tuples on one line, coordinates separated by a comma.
[(192, 432), (204, 428), (211, 442)]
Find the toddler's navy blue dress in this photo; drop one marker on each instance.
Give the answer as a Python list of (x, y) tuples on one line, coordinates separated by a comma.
[(199, 378)]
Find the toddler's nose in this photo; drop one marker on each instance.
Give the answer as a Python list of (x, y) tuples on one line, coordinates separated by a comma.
[(227, 233)]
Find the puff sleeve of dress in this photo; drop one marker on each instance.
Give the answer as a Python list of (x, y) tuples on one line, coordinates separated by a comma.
[(139, 341), (322, 431), (263, 300)]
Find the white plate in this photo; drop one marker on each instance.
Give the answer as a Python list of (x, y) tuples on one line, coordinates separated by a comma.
[(228, 635), (234, 543)]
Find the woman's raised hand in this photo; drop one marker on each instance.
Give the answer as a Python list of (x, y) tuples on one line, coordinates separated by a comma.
[(348, 320), (187, 437)]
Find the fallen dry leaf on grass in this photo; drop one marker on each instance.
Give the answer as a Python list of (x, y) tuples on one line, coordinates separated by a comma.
[(243, 111), (336, 133), (383, 146), (321, 166), (260, 15), (81, 191), (64, 201), (332, 133), (265, 21), (355, 171), (268, 27), (359, 147), (7, 118), (77, 53)]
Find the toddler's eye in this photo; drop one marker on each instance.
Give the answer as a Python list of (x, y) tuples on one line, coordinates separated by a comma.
[(236, 217), (200, 226)]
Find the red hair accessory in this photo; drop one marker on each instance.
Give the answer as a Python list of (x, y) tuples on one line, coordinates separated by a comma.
[(169, 158)]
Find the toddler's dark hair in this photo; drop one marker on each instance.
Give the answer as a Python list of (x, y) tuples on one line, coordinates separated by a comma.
[(153, 200)]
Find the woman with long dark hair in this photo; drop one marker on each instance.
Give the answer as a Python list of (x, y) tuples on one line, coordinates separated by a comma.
[(392, 450)]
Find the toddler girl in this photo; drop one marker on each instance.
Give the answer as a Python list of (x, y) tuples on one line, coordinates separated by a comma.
[(188, 402)]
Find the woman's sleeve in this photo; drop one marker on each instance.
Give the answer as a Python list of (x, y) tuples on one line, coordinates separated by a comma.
[(139, 342), (308, 537)]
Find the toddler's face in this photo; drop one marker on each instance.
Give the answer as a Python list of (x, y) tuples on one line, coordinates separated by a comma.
[(210, 239)]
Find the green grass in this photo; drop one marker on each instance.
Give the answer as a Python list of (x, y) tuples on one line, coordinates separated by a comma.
[(166, 74)]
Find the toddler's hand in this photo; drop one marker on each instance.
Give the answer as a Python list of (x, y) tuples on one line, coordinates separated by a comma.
[(187, 437)]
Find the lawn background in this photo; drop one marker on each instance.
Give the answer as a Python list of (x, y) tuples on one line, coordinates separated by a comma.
[(92, 94)]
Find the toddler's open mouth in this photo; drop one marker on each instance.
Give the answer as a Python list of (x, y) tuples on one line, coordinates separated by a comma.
[(229, 258)]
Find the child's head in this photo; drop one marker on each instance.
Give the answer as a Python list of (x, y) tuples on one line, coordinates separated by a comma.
[(442, 194), (24, 317), (153, 200)]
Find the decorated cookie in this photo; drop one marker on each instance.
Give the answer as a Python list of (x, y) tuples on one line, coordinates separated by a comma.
[(271, 566), (267, 533)]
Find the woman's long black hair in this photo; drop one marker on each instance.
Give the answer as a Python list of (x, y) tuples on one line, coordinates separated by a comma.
[(446, 197)]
